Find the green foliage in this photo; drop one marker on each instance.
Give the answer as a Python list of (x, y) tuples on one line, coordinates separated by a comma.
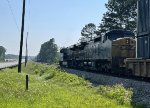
[(121, 14), (48, 52), (88, 31), (49, 76), (2, 53), (117, 92), (55, 88)]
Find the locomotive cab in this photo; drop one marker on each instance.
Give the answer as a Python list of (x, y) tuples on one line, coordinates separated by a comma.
[(123, 46)]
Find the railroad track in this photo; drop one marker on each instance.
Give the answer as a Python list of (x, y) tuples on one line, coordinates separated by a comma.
[(136, 78)]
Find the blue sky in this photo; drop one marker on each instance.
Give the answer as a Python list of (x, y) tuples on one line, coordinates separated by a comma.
[(45, 19)]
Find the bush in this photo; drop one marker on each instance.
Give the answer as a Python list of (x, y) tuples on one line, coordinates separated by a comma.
[(117, 92), (49, 76), (36, 71)]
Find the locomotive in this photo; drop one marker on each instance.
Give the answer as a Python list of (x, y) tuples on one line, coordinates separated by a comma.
[(104, 53)]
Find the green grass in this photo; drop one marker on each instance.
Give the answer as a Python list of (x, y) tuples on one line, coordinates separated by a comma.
[(50, 87)]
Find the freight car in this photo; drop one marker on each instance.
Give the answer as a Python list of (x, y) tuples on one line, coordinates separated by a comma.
[(104, 53), (140, 66)]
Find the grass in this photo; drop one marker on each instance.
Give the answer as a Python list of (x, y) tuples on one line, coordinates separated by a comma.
[(50, 87)]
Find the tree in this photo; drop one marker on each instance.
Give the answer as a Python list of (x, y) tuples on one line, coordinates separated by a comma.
[(88, 31), (2, 53), (48, 52), (121, 14)]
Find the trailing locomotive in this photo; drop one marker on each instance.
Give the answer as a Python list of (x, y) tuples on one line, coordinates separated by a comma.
[(104, 53)]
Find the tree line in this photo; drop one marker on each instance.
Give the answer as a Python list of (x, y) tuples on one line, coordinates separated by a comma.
[(121, 14), (48, 52)]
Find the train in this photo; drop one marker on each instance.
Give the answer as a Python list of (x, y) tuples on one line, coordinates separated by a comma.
[(117, 51), (104, 53)]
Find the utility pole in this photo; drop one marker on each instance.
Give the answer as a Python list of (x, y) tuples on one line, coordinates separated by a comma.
[(21, 41), (26, 56)]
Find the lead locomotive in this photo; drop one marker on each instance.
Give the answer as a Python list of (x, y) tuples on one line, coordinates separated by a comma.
[(104, 53)]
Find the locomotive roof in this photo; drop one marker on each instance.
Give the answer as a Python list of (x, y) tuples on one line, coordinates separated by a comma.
[(114, 34), (79, 46)]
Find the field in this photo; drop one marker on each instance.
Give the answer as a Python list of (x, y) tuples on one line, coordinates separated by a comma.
[(51, 87)]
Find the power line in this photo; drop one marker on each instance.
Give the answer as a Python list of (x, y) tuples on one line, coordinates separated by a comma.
[(26, 55), (12, 13), (29, 14), (29, 23)]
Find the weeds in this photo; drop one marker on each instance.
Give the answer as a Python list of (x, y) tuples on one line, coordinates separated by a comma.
[(50, 87), (117, 92)]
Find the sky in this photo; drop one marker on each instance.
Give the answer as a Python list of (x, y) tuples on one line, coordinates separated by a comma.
[(62, 20)]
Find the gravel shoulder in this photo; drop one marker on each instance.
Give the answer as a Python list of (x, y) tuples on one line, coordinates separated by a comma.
[(141, 89)]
